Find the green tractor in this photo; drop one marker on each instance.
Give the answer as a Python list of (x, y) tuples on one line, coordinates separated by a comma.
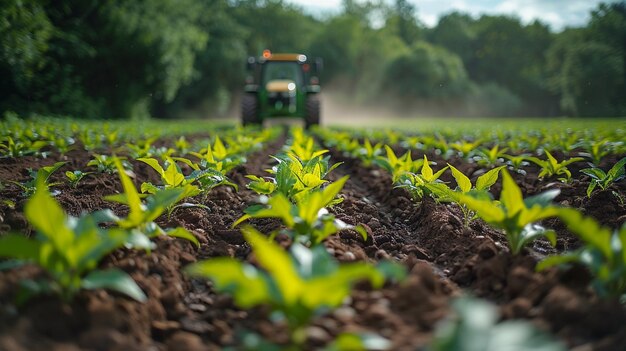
[(281, 85)]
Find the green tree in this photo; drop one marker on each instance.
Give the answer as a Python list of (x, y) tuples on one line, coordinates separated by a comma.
[(455, 32), (218, 72), (403, 22), (587, 66), (108, 58), (426, 72), (338, 43)]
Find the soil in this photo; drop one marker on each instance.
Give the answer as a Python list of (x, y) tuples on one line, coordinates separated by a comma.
[(444, 260)]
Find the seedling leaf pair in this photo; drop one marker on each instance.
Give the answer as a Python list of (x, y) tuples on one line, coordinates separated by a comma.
[(602, 179)]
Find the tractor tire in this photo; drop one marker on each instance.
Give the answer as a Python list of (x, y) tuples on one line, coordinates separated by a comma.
[(249, 110), (312, 117)]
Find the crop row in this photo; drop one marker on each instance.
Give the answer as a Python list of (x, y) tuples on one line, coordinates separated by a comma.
[(604, 249), (69, 248), (296, 284), (492, 146)]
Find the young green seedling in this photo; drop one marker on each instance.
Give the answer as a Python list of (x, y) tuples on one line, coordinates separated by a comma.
[(171, 177), (597, 150), (141, 215), (514, 214), (517, 162), (602, 179), (552, 167), (141, 148), (464, 186), (11, 148), (217, 157), (489, 157), (69, 249), (604, 253), (466, 148), (416, 184), (307, 221), (74, 177), (305, 149), (106, 163), (43, 173), (399, 166), (368, 153), (293, 177), (62, 144), (296, 285)]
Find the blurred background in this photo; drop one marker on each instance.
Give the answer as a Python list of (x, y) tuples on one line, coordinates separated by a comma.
[(186, 58)]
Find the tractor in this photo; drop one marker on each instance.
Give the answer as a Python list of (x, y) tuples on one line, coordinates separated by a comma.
[(281, 85)]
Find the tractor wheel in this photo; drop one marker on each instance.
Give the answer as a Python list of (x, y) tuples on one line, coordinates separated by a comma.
[(249, 110), (312, 111)]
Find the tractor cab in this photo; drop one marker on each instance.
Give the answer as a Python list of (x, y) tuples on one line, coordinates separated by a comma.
[(281, 85)]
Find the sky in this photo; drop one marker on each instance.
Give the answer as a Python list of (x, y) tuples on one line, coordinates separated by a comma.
[(558, 14)]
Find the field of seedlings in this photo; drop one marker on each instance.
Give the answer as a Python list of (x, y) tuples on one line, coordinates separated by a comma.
[(441, 236)]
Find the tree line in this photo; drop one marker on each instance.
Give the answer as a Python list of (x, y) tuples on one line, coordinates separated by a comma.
[(181, 58)]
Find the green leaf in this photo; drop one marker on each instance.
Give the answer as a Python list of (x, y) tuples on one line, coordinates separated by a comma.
[(279, 207), (591, 187), (48, 218), (462, 180), (47, 171), (588, 230), (594, 173), (278, 264), (485, 181), (113, 279), (332, 190), (183, 233), (148, 187), (154, 164), (219, 150), (558, 260), (391, 156), (132, 196), (188, 162), (553, 162), (19, 247), (618, 169), (427, 172), (172, 176), (240, 279), (532, 232), (487, 209), (511, 196)]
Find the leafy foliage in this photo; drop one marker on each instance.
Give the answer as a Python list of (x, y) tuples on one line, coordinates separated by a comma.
[(74, 177), (141, 215), (418, 184), (298, 284), (551, 167), (307, 220), (398, 166), (464, 186), (475, 327), (293, 177), (69, 249), (41, 175), (604, 253), (514, 214), (602, 179)]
